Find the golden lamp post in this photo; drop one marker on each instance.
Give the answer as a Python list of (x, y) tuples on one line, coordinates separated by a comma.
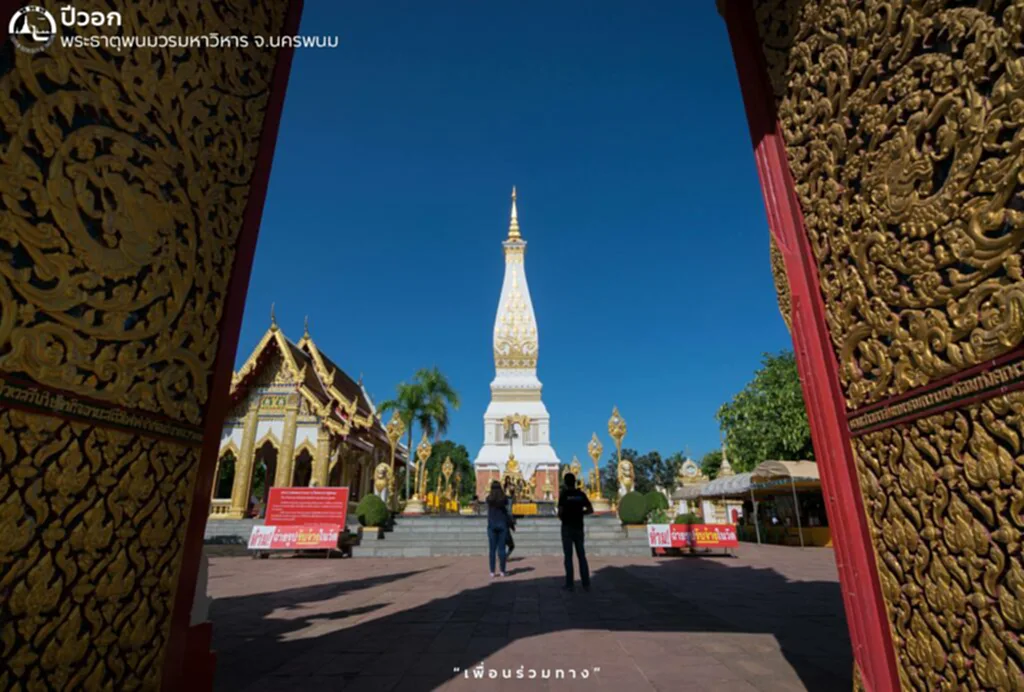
[(415, 504), (594, 449), (624, 469), (395, 429), (446, 470)]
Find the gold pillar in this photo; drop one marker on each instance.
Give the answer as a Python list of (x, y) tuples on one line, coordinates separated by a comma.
[(243, 466), (322, 461), (216, 477), (286, 455)]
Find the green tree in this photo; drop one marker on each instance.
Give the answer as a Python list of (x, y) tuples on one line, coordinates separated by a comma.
[(649, 470), (768, 419), (461, 464), (711, 462), (666, 472)]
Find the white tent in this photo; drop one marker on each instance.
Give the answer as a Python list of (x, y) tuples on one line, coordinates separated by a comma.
[(770, 473)]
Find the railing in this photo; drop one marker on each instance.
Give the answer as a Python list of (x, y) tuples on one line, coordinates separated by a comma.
[(220, 509)]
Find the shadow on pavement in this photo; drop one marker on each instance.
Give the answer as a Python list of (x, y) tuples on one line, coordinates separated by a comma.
[(425, 645)]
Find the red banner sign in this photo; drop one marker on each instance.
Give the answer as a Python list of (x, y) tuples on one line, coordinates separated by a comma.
[(302, 519), (307, 507), (293, 538), (695, 536)]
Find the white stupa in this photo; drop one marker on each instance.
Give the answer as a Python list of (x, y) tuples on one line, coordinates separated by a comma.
[(516, 390)]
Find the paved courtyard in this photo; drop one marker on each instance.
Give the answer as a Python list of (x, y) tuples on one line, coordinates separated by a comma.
[(769, 618)]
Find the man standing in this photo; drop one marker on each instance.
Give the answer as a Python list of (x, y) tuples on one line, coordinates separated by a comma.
[(573, 504)]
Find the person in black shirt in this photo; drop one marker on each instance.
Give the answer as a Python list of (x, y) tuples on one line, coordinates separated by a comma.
[(573, 504)]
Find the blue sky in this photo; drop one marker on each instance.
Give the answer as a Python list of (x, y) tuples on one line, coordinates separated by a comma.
[(622, 126)]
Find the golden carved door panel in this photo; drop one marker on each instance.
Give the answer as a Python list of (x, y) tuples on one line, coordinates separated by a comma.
[(903, 126), (132, 185)]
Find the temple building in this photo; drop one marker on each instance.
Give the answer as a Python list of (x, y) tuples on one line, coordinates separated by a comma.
[(296, 420), (516, 424)]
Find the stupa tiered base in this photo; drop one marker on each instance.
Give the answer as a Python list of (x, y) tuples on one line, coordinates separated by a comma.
[(601, 505), (414, 507)]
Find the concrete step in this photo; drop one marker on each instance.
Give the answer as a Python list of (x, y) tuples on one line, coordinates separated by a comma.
[(381, 550), (482, 545)]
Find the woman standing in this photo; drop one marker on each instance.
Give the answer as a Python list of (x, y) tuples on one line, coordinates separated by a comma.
[(497, 526)]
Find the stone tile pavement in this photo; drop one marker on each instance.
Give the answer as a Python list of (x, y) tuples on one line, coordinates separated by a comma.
[(769, 618)]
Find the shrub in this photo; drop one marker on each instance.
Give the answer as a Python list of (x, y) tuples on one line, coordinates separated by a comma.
[(656, 500), (657, 516), (633, 508), (372, 511), (688, 518)]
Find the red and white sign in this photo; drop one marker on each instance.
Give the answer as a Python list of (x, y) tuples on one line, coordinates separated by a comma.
[(695, 536), (293, 538), (302, 519)]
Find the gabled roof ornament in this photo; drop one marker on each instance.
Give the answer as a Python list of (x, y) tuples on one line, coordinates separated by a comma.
[(273, 320), (305, 333)]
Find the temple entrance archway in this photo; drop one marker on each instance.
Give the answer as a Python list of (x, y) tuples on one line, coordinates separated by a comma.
[(225, 477), (263, 473), (897, 245), (303, 473)]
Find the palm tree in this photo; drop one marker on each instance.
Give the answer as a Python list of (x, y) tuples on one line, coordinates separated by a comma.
[(409, 403), (438, 396), (424, 402)]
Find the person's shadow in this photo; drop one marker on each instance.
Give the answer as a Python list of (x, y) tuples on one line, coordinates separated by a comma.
[(433, 641)]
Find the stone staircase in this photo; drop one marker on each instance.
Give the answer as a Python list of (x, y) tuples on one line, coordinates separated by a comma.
[(446, 536)]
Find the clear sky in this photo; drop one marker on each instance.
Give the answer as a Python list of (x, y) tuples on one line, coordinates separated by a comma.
[(622, 126)]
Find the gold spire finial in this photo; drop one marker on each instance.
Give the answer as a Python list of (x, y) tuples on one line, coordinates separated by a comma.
[(513, 224), (273, 320), (305, 328)]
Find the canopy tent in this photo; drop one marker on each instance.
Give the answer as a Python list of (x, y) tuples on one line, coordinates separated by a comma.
[(688, 492), (775, 472), (791, 473), (729, 486)]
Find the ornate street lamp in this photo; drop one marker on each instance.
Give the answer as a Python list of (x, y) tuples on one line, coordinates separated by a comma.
[(395, 429), (414, 505), (624, 470), (595, 448)]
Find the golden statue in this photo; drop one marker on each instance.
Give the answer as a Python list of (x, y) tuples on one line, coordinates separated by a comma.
[(512, 480), (577, 470), (625, 476), (383, 481)]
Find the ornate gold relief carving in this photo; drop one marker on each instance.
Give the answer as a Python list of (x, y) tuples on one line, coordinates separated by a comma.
[(944, 497), (903, 125), (515, 335), (781, 283), (122, 203), (124, 180), (91, 529)]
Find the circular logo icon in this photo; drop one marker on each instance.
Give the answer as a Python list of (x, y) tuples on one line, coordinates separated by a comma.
[(32, 29)]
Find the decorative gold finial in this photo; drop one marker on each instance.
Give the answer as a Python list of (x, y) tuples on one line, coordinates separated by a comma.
[(305, 328), (513, 224), (273, 320)]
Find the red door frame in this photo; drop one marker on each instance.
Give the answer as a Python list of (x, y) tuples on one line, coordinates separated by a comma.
[(870, 633), (188, 663)]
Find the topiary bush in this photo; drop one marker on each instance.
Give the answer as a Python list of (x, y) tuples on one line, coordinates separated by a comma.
[(688, 518), (372, 511), (656, 500), (633, 508)]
